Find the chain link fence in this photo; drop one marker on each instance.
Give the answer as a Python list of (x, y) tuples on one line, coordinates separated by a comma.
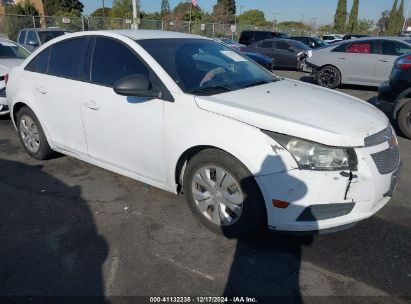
[(10, 25)]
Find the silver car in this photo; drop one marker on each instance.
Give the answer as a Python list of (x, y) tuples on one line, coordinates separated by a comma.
[(365, 61)]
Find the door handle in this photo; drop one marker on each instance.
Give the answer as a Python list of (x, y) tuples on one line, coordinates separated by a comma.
[(91, 104), (40, 89), (342, 58), (383, 60)]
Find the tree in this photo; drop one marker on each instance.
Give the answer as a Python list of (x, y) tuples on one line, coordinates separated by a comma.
[(382, 24), (400, 19), (63, 7), (340, 17), (392, 20), (100, 12), (352, 26), (13, 25), (365, 26), (122, 9), (224, 11), (252, 17), (165, 8), (182, 12)]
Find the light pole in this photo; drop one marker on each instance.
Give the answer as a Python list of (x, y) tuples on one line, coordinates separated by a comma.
[(406, 15), (302, 17), (274, 20), (135, 21), (314, 21)]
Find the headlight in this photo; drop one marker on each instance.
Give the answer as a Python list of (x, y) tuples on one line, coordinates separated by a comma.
[(314, 156)]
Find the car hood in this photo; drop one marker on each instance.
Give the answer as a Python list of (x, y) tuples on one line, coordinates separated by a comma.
[(301, 110), (7, 64)]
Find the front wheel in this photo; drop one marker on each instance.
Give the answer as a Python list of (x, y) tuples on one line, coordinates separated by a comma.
[(328, 77), (32, 135), (404, 120), (223, 194)]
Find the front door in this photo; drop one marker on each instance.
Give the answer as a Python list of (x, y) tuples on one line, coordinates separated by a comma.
[(125, 132)]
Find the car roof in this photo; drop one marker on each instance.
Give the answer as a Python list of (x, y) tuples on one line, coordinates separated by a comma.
[(6, 40), (392, 38), (44, 29), (150, 34)]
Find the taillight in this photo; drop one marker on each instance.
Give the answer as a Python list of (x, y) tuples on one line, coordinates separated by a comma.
[(6, 78), (404, 63)]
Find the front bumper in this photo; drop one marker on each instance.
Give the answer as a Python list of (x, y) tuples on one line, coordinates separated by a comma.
[(335, 200)]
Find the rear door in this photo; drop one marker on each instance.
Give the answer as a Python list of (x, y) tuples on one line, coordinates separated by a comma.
[(357, 61), (57, 81), (267, 48), (390, 51)]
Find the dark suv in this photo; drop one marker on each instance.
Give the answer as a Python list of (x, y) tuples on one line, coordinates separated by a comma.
[(394, 96), (249, 37)]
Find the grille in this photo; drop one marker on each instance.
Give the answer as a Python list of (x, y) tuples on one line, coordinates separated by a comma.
[(3, 92), (387, 161), (379, 138)]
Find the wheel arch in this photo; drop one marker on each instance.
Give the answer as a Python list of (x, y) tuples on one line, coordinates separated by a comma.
[(16, 108)]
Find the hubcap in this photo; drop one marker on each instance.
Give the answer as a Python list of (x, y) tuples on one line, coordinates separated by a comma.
[(29, 134), (217, 195), (327, 77)]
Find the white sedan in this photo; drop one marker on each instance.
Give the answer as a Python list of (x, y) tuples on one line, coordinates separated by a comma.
[(11, 55), (186, 114)]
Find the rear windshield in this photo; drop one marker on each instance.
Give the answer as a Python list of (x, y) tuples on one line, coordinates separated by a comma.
[(10, 50), (46, 36)]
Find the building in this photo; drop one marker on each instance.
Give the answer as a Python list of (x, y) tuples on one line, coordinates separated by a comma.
[(38, 4)]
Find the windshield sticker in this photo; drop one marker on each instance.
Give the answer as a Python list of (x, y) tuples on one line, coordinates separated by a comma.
[(5, 43), (233, 56)]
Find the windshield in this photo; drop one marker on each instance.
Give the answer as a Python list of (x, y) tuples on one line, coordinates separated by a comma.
[(320, 42), (299, 45), (46, 36), (204, 67), (10, 50)]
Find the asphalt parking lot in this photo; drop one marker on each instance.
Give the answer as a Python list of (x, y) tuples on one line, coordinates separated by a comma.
[(69, 228)]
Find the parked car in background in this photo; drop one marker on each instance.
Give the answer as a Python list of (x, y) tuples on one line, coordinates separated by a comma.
[(250, 37), (11, 55), (285, 52), (354, 36), (312, 42), (230, 43), (261, 59), (32, 38), (394, 95), (246, 147), (332, 38), (363, 61)]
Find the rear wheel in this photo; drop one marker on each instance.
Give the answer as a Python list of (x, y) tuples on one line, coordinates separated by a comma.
[(328, 77), (404, 120), (32, 135), (223, 194)]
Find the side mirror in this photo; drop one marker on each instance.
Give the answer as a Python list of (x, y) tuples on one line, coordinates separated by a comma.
[(291, 49), (32, 43), (135, 85)]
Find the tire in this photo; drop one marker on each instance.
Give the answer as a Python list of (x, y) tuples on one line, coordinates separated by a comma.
[(328, 77), (236, 184), (31, 135), (404, 120)]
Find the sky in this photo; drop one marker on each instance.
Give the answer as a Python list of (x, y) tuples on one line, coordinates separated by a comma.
[(324, 10)]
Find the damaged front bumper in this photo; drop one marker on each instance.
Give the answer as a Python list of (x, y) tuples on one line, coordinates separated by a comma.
[(328, 200)]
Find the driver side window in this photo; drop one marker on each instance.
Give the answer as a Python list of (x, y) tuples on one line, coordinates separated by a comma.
[(112, 61)]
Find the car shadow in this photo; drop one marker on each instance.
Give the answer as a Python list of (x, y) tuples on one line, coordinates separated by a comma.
[(49, 242), (268, 264)]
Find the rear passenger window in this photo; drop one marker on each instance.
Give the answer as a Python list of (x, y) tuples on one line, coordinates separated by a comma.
[(394, 48), (40, 63), (262, 36), (112, 61), (281, 45), (66, 58), (22, 37), (266, 45)]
